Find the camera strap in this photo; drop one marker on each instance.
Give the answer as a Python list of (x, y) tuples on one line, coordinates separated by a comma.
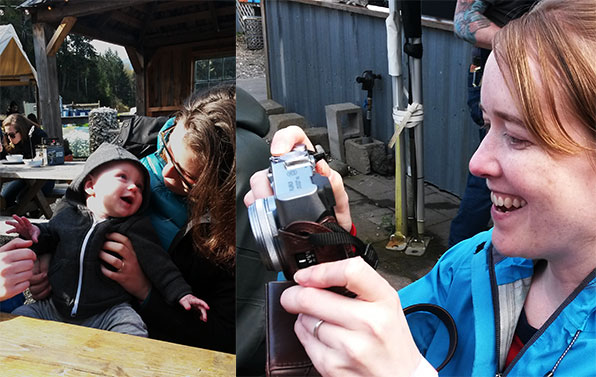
[(339, 236)]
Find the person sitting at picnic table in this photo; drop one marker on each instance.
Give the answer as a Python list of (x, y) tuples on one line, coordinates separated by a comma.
[(19, 139), (32, 117), (193, 176), (13, 108), (523, 295), (110, 195)]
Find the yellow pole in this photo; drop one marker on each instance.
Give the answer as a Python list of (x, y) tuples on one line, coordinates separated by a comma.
[(398, 240)]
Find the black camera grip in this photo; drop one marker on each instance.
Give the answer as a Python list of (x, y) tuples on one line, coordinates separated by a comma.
[(308, 243)]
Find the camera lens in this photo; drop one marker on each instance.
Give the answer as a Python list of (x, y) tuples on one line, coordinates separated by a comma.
[(262, 216)]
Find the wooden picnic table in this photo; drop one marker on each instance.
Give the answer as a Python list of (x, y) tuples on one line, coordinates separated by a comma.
[(35, 178), (35, 347)]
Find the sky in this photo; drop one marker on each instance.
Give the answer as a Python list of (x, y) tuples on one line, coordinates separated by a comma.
[(101, 47)]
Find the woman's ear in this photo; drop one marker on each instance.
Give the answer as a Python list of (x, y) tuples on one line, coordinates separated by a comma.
[(88, 187)]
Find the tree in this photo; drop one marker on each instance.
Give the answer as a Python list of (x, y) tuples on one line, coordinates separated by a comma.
[(77, 66), (85, 76), (115, 84)]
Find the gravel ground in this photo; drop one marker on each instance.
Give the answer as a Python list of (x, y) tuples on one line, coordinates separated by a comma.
[(249, 63)]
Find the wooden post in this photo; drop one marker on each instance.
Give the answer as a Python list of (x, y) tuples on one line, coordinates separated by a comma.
[(138, 65), (48, 110)]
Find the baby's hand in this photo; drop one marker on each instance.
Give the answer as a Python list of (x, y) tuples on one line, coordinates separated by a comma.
[(24, 228), (191, 302)]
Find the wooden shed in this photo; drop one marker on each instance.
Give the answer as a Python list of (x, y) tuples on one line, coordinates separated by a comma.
[(169, 44)]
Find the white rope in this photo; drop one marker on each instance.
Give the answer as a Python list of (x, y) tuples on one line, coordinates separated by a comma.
[(409, 118)]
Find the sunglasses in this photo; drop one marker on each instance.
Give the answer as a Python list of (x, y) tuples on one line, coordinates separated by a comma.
[(167, 156), (12, 135)]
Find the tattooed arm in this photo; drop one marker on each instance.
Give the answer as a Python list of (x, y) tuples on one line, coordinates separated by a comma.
[(471, 25)]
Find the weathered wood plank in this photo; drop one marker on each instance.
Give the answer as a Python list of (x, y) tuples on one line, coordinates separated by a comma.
[(33, 347), (136, 59), (79, 9), (47, 83)]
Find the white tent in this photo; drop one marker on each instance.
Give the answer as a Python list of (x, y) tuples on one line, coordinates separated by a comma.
[(15, 68)]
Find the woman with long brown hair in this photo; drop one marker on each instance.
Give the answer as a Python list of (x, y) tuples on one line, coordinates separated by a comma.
[(192, 210), (193, 178), (21, 137)]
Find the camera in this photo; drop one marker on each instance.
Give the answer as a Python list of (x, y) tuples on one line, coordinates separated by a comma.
[(287, 224)]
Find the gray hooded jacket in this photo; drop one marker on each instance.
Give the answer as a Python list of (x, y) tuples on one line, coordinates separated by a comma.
[(75, 239)]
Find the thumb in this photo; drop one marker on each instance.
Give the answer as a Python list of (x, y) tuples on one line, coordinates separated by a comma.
[(18, 243)]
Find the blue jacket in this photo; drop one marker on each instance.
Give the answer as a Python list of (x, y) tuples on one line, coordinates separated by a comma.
[(472, 281), (168, 211)]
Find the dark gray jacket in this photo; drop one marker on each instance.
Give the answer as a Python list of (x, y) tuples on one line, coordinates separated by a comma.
[(73, 237)]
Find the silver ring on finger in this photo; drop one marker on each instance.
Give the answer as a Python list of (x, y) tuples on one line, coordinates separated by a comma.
[(315, 330), (121, 267)]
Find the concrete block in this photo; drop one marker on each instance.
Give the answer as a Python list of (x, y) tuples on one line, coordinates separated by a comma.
[(318, 135), (344, 121), (271, 107), (340, 167), (358, 152), (279, 121)]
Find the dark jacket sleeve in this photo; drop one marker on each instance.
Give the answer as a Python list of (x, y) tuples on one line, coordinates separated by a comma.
[(156, 262), (210, 283), (47, 240)]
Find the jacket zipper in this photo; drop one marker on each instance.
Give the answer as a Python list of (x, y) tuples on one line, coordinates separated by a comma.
[(548, 322), (496, 313), (81, 258), (495, 299)]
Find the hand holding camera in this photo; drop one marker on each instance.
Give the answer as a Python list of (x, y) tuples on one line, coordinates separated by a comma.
[(296, 226)]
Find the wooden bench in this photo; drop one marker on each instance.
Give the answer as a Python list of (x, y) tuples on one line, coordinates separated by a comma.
[(57, 193), (42, 202)]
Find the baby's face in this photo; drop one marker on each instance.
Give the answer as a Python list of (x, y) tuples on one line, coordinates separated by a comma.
[(118, 190)]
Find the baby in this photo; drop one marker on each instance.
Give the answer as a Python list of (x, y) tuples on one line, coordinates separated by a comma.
[(109, 196)]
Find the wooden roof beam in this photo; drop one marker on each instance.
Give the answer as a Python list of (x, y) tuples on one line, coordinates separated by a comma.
[(136, 59), (80, 9), (148, 21), (106, 36), (59, 35), (213, 16), (127, 19), (201, 15)]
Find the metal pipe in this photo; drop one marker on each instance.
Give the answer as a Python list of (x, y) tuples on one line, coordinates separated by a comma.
[(416, 85)]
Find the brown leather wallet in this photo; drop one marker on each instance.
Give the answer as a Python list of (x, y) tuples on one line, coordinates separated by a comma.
[(285, 354)]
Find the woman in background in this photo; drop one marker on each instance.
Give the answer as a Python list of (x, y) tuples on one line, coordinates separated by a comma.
[(20, 137)]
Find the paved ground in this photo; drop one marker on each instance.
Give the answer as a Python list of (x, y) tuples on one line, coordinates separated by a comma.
[(372, 205)]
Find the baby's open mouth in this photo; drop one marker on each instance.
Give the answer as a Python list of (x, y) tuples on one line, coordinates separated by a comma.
[(504, 203), (127, 199)]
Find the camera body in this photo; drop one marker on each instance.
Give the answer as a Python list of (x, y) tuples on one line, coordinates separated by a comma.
[(301, 200)]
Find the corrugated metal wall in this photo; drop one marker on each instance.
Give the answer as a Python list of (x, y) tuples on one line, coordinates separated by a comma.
[(316, 53)]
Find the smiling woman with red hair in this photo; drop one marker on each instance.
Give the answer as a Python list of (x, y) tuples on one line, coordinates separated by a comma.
[(523, 295)]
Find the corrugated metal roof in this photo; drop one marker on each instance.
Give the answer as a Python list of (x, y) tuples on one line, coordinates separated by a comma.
[(316, 53)]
